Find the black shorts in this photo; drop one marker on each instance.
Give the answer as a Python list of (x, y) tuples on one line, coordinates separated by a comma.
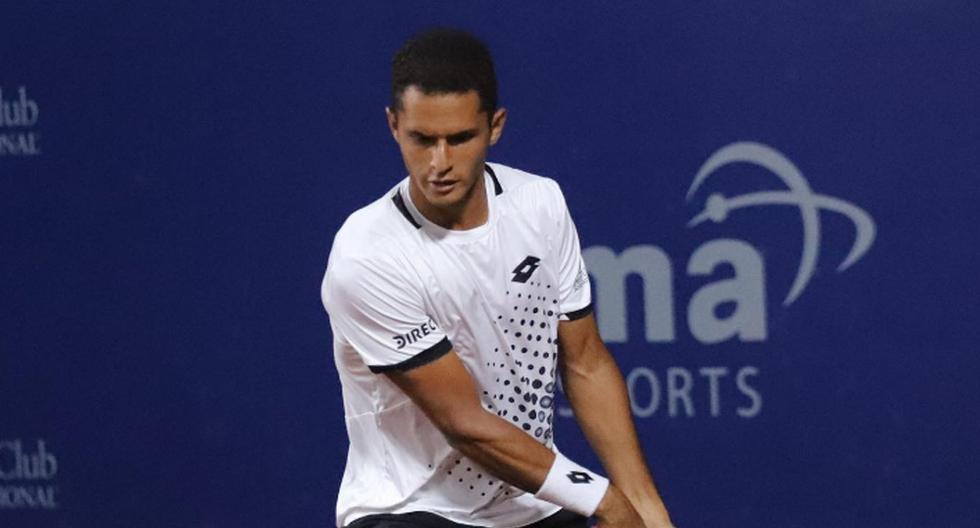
[(561, 519)]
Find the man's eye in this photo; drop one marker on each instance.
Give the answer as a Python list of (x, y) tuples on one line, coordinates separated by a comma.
[(458, 140), (424, 140)]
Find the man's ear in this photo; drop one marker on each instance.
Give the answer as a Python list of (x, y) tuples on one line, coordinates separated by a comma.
[(392, 122), (497, 125)]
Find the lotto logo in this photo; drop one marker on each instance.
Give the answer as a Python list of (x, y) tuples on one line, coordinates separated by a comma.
[(579, 477), (525, 269)]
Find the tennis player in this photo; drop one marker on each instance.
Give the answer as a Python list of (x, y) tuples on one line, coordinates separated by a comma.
[(456, 300)]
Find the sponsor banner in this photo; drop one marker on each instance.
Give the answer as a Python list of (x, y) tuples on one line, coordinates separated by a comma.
[(742, 296), (19, 116), (27, 476)]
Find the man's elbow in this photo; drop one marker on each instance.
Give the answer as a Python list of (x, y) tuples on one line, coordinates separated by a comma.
[(463, 428)]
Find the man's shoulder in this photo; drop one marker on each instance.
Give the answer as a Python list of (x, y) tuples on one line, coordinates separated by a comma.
[(517, 180), (527, 191), (367, 228)]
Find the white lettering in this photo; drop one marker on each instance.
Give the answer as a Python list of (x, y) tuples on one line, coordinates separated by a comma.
[(19, 112), (714, 398), (746, 289), (40, 465), (27, 497), (743, 386), (653, 267), (10, 466), (24, 144), (634, 377), (28, 107), (679, 383), (683, 392)]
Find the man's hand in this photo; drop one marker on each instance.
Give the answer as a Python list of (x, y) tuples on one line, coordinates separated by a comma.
[(615, 511), (653, 512)]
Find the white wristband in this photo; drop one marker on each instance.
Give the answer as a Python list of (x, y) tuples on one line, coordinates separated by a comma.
[(573, 487)]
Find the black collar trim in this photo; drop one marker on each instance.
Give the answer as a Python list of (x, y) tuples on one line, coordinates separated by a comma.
[(400, 202), (497, 189)]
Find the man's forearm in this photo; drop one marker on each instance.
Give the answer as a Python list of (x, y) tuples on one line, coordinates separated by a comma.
[(504, 450), (598, 395), (513, 456)]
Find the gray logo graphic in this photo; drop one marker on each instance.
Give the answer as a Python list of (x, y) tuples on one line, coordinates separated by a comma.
[(718, 207)]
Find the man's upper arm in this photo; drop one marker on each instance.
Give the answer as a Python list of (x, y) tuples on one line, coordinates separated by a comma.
[(580, 341), (444, 390)]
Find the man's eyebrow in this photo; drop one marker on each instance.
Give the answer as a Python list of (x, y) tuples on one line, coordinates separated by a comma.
[(419, 135), (462, 134)]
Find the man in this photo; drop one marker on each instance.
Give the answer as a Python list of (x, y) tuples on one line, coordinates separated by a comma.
[(454, 301)]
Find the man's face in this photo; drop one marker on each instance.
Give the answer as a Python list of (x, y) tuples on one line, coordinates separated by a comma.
[(444, 140)]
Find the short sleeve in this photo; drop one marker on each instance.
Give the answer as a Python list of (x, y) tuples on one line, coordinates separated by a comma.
[(575, 293), (374, 307)]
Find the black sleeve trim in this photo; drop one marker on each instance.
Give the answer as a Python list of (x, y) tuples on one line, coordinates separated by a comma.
[(578, 314), (428, 355)]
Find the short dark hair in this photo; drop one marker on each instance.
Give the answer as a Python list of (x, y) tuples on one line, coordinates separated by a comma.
[(444, 60)]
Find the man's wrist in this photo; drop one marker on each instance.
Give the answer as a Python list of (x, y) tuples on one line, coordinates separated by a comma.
[(573, 487)]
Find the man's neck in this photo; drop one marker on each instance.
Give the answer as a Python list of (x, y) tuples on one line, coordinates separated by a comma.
[(473, 211)]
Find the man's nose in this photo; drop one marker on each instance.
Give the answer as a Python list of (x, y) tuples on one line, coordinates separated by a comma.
[(441, 157)]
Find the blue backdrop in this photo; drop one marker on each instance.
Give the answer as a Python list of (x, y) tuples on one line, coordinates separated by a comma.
[(801, 354)]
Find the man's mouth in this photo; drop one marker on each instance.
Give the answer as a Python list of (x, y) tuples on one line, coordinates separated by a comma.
[(443, 185)]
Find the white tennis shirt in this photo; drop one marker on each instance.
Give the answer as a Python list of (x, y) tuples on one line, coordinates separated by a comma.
[(402, 291)]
